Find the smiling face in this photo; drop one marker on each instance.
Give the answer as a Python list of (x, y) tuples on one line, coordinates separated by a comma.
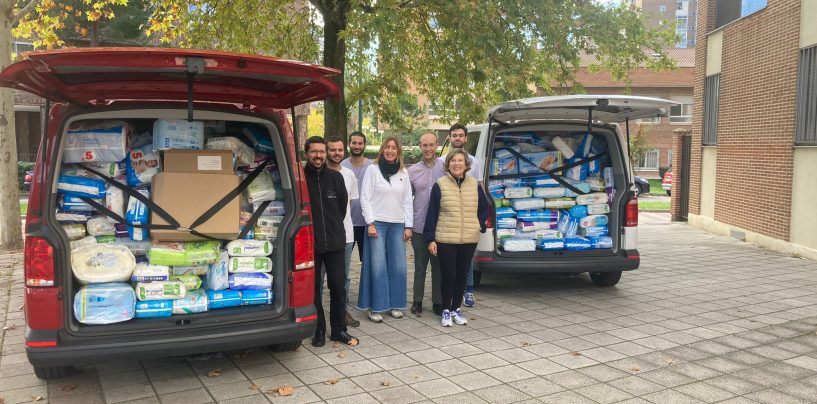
[(316, 154), (428, 146), (458, 137), (335, 152), (456, 166), (356, 146), (389, 151)]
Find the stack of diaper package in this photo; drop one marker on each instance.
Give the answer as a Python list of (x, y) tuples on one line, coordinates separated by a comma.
[(533, 209), (123, 272)]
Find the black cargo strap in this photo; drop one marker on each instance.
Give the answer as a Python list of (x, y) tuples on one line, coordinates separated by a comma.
[(254, 218), (119, 219), (552, 173)]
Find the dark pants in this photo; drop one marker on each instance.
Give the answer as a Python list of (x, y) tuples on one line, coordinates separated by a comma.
[(333, 263), (421, 260), (455, 259), (360, 235)]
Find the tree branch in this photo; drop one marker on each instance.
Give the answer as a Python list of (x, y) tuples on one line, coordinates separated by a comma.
[(24, 11)]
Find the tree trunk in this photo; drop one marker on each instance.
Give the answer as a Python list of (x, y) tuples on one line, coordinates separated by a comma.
[(334, 55), (11, 235), (95, 34)]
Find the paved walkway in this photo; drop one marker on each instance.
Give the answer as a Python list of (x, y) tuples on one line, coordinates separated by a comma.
[(705, 319)]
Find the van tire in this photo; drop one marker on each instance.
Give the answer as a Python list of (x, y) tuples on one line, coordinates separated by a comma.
[(286, 346), (477, 278), (51, 373), (605, 278)]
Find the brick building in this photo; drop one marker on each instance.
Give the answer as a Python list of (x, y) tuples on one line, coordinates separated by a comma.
[(753, 167), (660, 13)]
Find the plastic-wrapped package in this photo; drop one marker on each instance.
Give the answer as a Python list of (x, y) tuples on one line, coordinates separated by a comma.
[(167, 253), (546, 233), (567, 225), (104, 142), (580, 185), (141, 139), (198, 270), (528, 203), (545, 215), (497, 193), (154, 309), (194, 302), (518, 192), (542, 181), (137, 214), (218, 276), (201, 252), (504, 202), (100, 226), (550, 244), (244, 154), (584, 149), (559, 203), (145, 272), (250, 264), (609, 183), (256, 296), (505, 233), (506, 223), (178, 134), (514, 182), (142, 164), (220, 299), (504, 163), (73, 204), (249, 248), (503, 212), (261, 189), (594, 231), (105, 239), (121, 231), (577, 243), (563, 146), (264, 233), (163, 290), (102, 263), (542, 161), (578, 211), (598, 209), (259, 138), (577, 173), (135, 247), (275, 208), (190, 282), (601, 241), (113, 170), (518, 244), (549, 192), (72, 218), (534, 226), (269, 221), (596, 184), (115, 200), (74, 231), (104, 303), (93, 188), (592, 199), (90, 240), (593, 220), (250, 280)]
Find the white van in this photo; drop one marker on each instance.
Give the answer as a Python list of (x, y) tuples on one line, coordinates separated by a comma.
[(537, 150)]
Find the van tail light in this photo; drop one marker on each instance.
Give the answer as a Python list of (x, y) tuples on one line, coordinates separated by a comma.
[(304, 248), (631, 219), (39, 262), (302, 290)]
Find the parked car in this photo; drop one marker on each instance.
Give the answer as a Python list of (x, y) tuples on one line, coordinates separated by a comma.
[(27, 180), (666, 182), (567, 115), (642, 185), (174, 84)]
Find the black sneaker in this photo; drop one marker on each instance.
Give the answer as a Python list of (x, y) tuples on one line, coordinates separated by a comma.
[(350, 321), (417, 308), (438, 309)]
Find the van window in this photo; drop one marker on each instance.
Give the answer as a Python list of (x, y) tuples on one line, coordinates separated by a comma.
[(470, 145)]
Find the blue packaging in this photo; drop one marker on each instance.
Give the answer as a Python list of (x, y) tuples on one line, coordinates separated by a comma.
[(82, 186), (258, 296), (250, 280), (601, 241), (567, 225), (137, 214), (550, 243), (104, 303), (577, 243), (218, 277), (72, 204), (259, 138), (542, 181), (220, 299), (505, 212), (542, 161), (178, 134), (506, 164), (154, 308), (578, 211), (142, 164), (580, 185), (105, 142), (594, 231), (539, 215), (506, 223)]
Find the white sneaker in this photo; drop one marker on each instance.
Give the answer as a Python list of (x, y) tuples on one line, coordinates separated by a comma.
[(375, 317), (396, 313), (459, 318), (446, 321)]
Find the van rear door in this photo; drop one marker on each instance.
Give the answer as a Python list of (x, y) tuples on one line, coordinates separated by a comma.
[(605, 108)]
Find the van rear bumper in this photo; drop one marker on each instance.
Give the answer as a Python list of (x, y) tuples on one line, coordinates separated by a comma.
[(487, 261), (230, 338)]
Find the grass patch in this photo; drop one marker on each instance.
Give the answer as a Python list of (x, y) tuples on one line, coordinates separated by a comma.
[(655, 188), (652, 205), (23, 208)]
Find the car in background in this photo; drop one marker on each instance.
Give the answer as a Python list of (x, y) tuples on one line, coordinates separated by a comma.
[(27, 180), (666, 182), (642, 185)]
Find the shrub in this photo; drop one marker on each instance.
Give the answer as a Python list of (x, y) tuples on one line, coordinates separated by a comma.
[(663, 170)]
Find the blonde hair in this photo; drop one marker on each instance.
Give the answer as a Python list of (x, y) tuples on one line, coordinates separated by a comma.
[(454, 152), (399, 150)]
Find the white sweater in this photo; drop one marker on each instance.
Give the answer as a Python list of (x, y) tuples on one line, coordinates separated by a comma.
[(386, 201)]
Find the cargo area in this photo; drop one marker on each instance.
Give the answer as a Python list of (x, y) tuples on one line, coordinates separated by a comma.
[(166, 249), (558, 191)]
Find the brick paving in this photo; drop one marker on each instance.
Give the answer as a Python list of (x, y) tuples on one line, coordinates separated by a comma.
[(705, 319)]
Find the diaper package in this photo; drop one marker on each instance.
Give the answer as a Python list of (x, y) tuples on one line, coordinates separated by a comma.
[(592, 199), (518, 244), (250, 264), (503, 212), (250, 280), (104, 303), (137, 214), (72, 204), (256, 296), (106, 239), (220, 299), (541, 215), (100, 226), (559, 203), (249, 248), (529, 203), (93, 188), (504, 163), (244, 154), (550, 244), (534, 226), (164, 290), (580, 185), (518, 192), (578, 211), (218, 277), (264, 233), (190, 281), (598, 209), (596, 184), (542, 181), (601, 241), (542, 161), (72, 218), (74, 231), (178, 134), (549, 192), (563, 146), (154, 308), (144, 272), (567, 225), (90, 240), (104, 142), (142, 164), (194, 302), (198, 270), (593, 220), (275, 208), (593, 231), (506, 223), (261, 189), (102, 263), (201, 252), (115, 200), (258, 137), (135, 247), (577, 243)]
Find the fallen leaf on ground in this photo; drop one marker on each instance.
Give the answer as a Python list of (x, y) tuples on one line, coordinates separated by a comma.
[(331, 381), (635, 369), (670, 361), (282, 391), (336, 344), (254, 387), (9, 327), (343, 354), (385, 383), (67, 387), (22, 306), (214, 373), (36, 398), (2, 400), (353, 342), (526, 344), (576, 354)]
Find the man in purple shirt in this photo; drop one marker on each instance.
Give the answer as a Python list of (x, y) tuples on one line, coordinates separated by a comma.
[(423, 176)]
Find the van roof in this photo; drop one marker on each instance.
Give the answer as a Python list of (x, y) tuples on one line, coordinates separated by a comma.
[(606, 108)]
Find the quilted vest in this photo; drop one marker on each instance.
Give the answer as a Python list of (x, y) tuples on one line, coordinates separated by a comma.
[(458, 222)]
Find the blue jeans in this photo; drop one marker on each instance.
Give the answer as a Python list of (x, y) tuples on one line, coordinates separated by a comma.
[(348, 261), (383, 281)]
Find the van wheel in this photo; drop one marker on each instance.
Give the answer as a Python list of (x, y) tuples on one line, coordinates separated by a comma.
[(605, 278), (477, 278), (50, 373), (286, 346)]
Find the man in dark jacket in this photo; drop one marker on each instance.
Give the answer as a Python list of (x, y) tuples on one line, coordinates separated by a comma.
[(327, 195)]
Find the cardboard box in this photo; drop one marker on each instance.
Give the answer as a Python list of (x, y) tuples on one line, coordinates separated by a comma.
[(186, 196), (198, 161)]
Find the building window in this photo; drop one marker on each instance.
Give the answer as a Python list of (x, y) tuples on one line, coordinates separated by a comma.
[(681, 113), (750, 6), (679, 6), (20, 47), (682, 38), (433, 110), (669, 157), (650, 160), (806, 123), (711, 103), (662, 8)]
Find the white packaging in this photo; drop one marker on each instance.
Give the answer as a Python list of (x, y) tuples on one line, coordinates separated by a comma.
[(74, 231), (104, 142), (518, 244), (135, 247), (599, 209), (194, 302), (218, 276), (269, 221), (249, 248), (261, 189), (100, 226), (528, 203), (90, 240), (115, 201), (100, 263), (145, 272), (562, 146), (163, 290), (250, 264), (591, 199), (178, 134), (244, 154), (518, 192), (143, 163), (189, 270), (549, 192), (275, 208)]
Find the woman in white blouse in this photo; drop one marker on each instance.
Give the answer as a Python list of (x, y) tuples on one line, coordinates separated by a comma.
[(386, 202)]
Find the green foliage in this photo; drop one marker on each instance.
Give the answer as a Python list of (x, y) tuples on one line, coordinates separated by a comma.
[(411, 155), (663, 170), (22, 167), (639, 146)]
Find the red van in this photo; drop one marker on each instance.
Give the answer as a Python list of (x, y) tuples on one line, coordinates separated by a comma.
[(140, 85)]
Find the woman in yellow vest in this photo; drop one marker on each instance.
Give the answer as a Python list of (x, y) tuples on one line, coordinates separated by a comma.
[(456, 216)]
